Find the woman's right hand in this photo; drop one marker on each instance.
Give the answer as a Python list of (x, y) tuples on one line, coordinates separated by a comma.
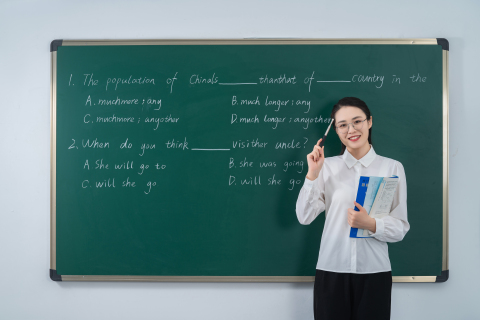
[(315, 161)]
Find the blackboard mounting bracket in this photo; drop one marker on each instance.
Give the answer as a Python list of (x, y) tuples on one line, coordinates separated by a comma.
[(54, 275), (55, 44), (444, 43), (443, 277)]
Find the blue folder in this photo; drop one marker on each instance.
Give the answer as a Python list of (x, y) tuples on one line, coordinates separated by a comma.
[(366, 193)]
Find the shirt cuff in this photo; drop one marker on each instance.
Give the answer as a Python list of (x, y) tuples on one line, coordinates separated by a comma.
[(309, 183), (380, 228)]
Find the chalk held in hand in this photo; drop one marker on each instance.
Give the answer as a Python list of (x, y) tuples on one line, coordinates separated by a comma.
[(325, 136)]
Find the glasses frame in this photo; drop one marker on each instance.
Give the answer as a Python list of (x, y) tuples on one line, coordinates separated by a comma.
[(348, 124)]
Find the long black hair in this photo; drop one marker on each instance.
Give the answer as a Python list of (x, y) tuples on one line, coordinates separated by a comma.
[(352, 102)]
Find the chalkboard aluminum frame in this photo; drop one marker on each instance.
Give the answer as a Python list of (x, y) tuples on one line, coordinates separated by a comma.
[(251, 41)]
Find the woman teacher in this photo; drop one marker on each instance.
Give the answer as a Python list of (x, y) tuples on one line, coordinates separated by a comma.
[(353, 277)]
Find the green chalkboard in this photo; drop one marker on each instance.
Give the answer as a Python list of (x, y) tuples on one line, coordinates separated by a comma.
[(182, 160)]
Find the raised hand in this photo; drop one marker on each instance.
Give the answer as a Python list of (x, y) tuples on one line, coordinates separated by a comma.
[(315, 161)]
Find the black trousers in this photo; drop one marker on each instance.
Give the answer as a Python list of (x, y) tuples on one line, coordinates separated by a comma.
[(352, 296)]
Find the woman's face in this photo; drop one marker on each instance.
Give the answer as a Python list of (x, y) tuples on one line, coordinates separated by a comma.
[(346, 115)]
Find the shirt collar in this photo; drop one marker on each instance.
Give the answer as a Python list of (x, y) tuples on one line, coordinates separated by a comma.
[(365, 161)]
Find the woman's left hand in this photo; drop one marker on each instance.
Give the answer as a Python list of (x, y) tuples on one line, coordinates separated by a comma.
[(360, 219)]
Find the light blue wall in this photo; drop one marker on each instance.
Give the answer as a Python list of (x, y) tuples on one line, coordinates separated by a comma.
[(26, 29)]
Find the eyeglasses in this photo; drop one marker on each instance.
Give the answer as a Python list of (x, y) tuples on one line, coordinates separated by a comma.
[(357, 125)]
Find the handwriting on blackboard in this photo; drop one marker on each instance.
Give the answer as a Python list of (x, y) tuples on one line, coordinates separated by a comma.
[(147, 103), (116, 83)]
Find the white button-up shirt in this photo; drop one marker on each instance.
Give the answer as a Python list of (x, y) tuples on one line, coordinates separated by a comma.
[(334, 191)]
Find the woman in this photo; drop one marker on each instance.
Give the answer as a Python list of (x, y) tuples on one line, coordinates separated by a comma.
[(353, 278)]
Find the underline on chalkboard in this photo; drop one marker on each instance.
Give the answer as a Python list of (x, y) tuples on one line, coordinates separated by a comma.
[(210, 149), (234, 84), (336, 81)]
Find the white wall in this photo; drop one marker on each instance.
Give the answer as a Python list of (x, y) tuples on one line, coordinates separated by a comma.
[(26, 29)]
